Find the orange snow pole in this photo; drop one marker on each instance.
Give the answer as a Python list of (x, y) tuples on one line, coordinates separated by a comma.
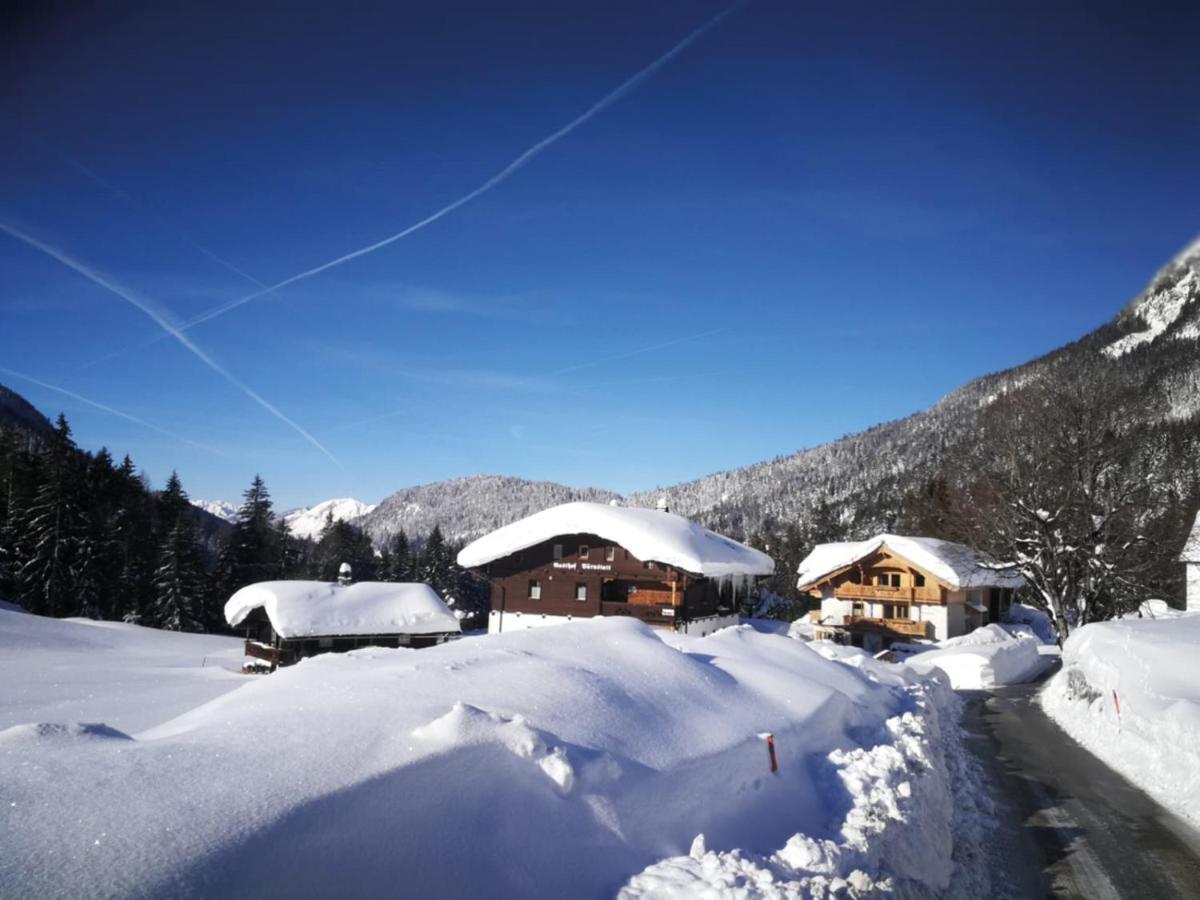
[(771, 751), (1117, 704)]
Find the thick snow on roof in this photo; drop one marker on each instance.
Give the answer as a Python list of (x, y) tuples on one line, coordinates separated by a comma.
[(956, 564), (649, 534), (1191, 550), (318, 608)]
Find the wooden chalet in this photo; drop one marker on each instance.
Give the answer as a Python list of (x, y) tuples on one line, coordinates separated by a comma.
[(895, 588), (286, 621), (582, 560)]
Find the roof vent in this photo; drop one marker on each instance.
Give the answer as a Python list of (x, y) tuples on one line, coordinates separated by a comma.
[(344, 575), (662, 504)]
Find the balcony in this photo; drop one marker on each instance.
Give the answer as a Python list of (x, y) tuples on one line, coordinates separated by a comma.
[(881, 594), (905, 627)]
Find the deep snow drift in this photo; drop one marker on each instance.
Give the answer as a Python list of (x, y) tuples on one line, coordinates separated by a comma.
[(557, 762), (1129, 691), (987, 657)]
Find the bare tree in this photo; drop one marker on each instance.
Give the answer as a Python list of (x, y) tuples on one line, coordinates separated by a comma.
[(1059, 485)]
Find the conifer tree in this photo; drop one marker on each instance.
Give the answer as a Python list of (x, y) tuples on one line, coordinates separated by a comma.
[(179, 583), (399, 559), (56, 530), (251, 555)]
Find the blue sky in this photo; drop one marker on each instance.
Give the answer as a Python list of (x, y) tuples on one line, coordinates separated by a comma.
[(808, 221)]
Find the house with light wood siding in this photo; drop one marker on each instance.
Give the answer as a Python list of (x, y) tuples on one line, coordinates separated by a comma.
[(897, 588)]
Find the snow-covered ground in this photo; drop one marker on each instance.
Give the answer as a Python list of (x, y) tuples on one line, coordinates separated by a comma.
[(987, 657), (571, 761), (78, 670), (1129, 691)]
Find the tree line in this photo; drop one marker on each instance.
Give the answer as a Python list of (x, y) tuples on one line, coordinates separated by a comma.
[(83, 535)]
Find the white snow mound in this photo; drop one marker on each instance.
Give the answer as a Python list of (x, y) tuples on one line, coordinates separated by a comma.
[(1129, 692), (987, 657)]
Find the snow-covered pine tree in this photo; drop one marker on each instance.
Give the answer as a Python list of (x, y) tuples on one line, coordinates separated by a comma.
[(399, 558), (250, 554), (179, 581), (55, 527)]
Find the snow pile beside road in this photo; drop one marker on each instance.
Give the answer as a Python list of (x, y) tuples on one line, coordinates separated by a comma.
[(1148, 668), (914, 822), (554, 762), (1037, 621), (985, 658)]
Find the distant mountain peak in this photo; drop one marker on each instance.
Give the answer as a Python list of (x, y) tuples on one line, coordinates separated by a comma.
[(1169, 306), (222, 509), (307, 522)]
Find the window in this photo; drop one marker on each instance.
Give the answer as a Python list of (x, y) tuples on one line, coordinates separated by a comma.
[(581, 591), (919, 579), (895, 579), (856, 577), (610, 554), (584, 550), (558, 551), (535, 590), (895, 610)]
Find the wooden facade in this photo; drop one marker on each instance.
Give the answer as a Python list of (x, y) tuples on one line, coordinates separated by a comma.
[(264, 643), (884, 597), (584, 575)]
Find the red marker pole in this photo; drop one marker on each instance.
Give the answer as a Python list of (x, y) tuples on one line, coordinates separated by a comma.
[(1117, 704), (771, 751)]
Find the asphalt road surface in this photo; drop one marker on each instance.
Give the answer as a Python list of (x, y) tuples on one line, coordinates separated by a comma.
[(1069, 826)]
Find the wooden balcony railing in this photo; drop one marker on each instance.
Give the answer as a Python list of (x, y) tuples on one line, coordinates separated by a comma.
[(897, 626), (263, 652), (653, 615), (879, 593), (655, 598)]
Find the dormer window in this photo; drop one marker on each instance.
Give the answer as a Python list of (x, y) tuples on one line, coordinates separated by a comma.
[(584, 550)]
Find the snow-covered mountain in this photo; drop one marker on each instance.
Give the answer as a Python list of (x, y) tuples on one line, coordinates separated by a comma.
[(1151, 351), (307, 522), (465, 508), (222, 509)]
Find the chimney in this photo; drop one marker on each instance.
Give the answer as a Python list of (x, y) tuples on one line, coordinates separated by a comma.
[(662, 504), (344, 576)]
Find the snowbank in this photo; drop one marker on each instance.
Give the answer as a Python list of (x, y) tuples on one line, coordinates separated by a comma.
[(1149, 667), (1035, 620), (553, 762), (987, 657), (649, 534), (312, 608), (956, 564)]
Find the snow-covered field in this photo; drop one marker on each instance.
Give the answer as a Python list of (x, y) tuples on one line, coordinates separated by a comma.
[(576, 761), (1129, 691), (78, 670)]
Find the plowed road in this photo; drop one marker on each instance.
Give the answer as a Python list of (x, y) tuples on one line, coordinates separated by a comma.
[(1069, 826)]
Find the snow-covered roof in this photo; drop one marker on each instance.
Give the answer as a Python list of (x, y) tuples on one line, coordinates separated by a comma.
[(651, 535), (318, 608), (1191, 549), (956, 564)]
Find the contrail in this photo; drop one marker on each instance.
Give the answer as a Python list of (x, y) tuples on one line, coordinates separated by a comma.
[(108, 409), (128, 198), (166, 325), (518, 163)]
